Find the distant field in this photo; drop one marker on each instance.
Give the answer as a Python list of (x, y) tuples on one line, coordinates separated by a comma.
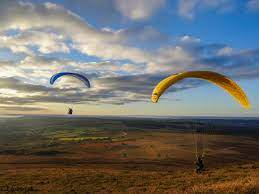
[(118, 155)]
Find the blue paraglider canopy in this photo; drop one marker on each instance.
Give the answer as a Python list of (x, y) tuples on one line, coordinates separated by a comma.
[(79, 76)]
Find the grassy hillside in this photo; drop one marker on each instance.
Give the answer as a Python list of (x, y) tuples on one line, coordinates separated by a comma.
[(115, 155), (112, 179)]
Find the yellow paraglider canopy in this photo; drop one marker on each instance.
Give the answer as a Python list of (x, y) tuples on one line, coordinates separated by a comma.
[(220, 80)]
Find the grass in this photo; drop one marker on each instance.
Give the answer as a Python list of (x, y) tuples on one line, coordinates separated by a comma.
[(79, 139), (104, 179), (38, 155)]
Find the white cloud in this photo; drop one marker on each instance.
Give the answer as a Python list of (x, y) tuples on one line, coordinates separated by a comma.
[(29, 16), (170, 59), (189, 8), (138, 9), (186, 8), (226, 51), (39, 22), (253, 5), (51, 28), (46, 42), (9, 69), (189, 39), (86, 39)]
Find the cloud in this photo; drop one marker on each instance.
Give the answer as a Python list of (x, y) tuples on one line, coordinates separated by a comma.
[(189, 40), (225, 51), (12, 83), (102, 11), (27, 16), (67, 27), (143, 34), (138, 9), (104, 44), (189, 8), (237, 65), (123, 89), (112, 11), (22, 108), (44, 41), (253, 5), (117, 82), (111, 90), (124, 65)]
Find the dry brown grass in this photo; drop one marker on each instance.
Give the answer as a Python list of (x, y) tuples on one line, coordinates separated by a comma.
[(100, 167), (104, 178), (241, 184)]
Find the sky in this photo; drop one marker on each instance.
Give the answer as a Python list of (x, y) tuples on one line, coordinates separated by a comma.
[(125, 48)]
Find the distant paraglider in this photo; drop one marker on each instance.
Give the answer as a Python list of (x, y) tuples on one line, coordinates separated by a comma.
[(78, 76), (223, 82)]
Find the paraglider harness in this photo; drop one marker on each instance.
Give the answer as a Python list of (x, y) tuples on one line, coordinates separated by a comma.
[(70, 111), (199, 164)]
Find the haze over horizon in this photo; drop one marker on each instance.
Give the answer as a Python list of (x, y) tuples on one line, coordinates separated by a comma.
[(125, 48)]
